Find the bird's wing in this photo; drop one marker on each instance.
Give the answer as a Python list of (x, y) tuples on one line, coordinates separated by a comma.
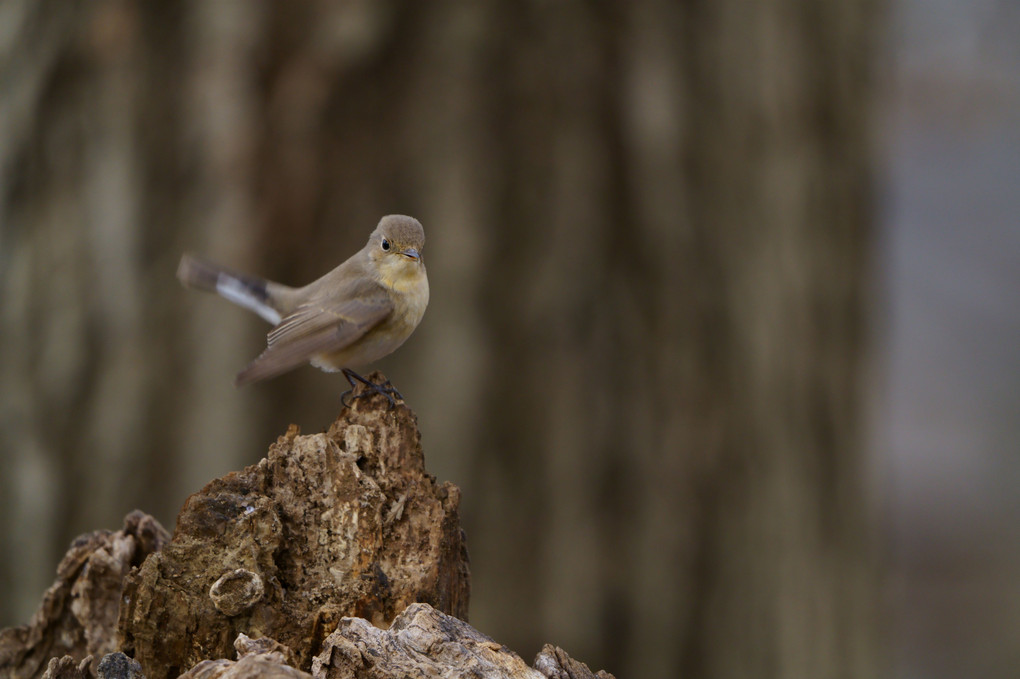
[(316, 328)]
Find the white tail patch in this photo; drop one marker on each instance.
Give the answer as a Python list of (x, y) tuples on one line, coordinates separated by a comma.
[(231, 289)]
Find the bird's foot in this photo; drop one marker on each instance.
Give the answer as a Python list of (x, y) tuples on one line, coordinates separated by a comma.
[(386, 389)]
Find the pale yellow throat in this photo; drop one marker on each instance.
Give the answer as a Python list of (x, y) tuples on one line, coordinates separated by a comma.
[(401, 274)]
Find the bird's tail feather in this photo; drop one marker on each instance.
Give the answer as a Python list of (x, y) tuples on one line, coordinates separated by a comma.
[(246, 291)]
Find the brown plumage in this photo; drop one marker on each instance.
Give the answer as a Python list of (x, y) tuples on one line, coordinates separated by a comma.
[(357, 313)]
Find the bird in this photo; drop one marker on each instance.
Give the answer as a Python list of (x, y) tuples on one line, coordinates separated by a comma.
[(357, 313)]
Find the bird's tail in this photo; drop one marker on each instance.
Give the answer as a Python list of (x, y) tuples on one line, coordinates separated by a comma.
[(246, 291)]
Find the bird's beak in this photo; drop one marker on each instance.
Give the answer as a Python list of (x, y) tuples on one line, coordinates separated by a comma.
[(411, 253)]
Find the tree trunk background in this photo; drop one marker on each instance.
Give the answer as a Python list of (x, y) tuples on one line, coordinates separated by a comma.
[(647, 225)]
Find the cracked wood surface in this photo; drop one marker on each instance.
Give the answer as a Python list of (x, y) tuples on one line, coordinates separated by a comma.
[(341, 523)]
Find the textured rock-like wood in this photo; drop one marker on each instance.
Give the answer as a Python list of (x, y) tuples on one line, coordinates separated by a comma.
[(262, 658), (425, 643), (68, 668), (554, 663), (249, 667), (342, 523), (78, 614)]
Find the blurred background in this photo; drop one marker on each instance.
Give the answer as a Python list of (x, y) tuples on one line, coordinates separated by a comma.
[(724, 339)]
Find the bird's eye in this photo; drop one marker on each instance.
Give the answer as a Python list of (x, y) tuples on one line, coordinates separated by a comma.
[(385, 244)]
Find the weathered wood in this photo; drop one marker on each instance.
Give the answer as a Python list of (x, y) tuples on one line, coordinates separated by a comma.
[(67, 667), (264, 658), (300, 562), (554, 663), (423, 642), (78, 614), (249, 667), (245, 646), (342, 523)]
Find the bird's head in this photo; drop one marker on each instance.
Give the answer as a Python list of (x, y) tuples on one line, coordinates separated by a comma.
[(396, 246)]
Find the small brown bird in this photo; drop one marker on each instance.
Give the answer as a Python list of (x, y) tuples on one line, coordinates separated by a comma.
[(356, 314)]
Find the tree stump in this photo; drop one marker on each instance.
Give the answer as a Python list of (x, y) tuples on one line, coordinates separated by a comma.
[(337, 547), (343, 523)]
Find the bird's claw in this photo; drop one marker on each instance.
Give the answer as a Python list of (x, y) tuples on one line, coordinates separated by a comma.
[(386, 389)]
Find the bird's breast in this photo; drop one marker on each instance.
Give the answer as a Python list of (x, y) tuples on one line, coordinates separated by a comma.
[(410, 297), (409, 288)]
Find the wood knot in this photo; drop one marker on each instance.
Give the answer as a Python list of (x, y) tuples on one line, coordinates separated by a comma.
[(237, 591)]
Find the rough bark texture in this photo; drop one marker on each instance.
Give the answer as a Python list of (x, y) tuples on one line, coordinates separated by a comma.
[(78, 614), (343, 523), (423, 642)]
